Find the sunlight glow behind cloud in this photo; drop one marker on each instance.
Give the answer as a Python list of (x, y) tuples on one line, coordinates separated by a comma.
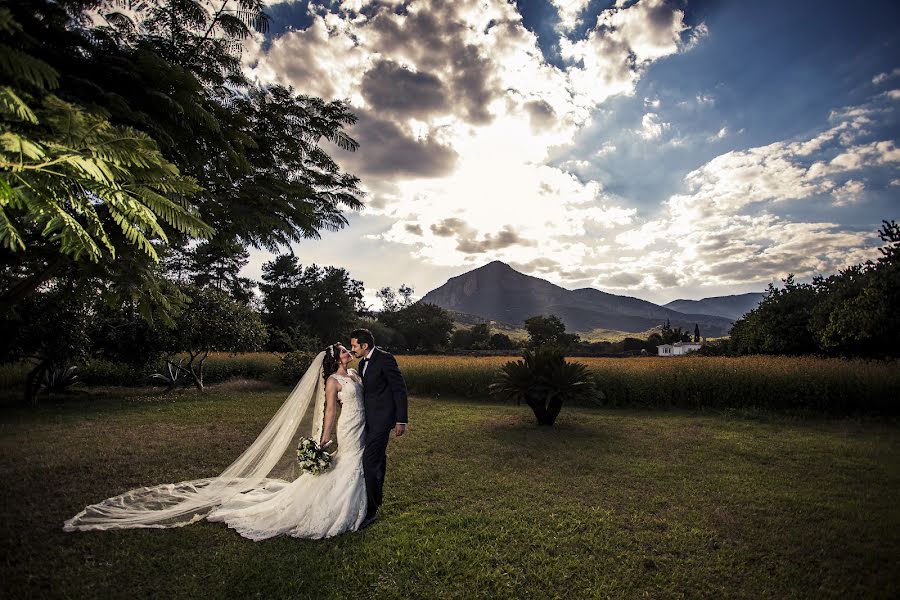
[(460, 115)]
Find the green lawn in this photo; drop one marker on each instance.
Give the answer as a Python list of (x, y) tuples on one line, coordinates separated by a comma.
[(479, 503)]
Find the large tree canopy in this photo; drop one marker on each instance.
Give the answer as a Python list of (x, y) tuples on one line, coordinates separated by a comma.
[(168, 73)]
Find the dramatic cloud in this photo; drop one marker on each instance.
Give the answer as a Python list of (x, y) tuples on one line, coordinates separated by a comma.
[(725, 230), (503, 239), (399, 153), (391, 87), (472, 145)]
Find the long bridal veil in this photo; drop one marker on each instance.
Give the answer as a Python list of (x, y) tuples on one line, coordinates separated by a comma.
[(269, 457)]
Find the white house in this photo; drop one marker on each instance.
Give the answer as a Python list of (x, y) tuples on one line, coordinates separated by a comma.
[(678, 348)]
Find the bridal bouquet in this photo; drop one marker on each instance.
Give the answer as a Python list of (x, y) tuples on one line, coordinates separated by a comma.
[(312, 458)]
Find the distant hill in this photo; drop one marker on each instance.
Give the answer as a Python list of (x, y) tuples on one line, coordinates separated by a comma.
[(730, 307), (498, 292)]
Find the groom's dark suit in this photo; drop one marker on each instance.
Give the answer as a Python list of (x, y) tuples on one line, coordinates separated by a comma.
[(384, 397)]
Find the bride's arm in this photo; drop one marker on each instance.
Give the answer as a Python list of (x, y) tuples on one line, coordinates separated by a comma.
[(331, 390)]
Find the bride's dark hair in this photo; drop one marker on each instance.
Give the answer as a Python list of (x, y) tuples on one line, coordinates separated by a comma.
[(332, 360)]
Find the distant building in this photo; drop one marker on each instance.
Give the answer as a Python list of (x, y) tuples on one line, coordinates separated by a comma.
[(678, 348)]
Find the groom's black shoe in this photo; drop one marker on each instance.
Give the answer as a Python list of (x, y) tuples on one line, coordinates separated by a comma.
[(368, 520)]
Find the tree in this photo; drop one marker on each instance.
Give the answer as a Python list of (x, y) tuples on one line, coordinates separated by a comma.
[(425, 327), (53, 332), (856, 310), (306, 308), (696, 333), (72, 181), (671, 336), (477, 337), (172, 71), (218, 264), (393, 301), (544, 380), (213, 322), (174, 67), (549, 330), (780, 324), (501, 341)]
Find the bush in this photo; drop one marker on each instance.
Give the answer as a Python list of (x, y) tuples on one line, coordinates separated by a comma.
[(544, 380), (293, 366), (103, 372)]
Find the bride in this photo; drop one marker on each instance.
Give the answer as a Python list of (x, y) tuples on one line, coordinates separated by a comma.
[(255, 494)]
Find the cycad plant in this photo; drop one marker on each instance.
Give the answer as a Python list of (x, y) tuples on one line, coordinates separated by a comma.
[(544, 380)]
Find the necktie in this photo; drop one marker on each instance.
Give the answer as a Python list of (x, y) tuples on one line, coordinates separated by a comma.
[(362, 366)]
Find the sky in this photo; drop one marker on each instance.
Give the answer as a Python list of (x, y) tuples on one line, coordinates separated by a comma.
[(652, 148)]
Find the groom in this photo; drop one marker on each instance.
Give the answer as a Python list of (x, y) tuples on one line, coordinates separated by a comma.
[(384, 398)]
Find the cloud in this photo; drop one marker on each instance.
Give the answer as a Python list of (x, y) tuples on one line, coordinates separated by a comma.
[(468, 150), (882, 77), (541, 114), (391, 87), (505, 238), (725, 229), (848, 193), (399, 153), (622, 44), (651, 127), (569, 12), (450, 228)]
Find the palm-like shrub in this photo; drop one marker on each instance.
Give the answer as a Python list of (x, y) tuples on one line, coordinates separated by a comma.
[(544, 380)]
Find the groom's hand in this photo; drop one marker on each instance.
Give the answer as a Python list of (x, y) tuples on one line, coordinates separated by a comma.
[(399, 429)]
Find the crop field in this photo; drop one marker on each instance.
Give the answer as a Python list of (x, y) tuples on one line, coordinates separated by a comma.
[(796, 384)]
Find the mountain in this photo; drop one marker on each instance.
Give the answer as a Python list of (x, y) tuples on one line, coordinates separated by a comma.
[(730, 307), (498, 292)]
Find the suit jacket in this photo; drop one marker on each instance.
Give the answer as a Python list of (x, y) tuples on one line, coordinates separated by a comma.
[(384, 392)]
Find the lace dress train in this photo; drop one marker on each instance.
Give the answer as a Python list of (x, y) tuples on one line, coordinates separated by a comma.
[(312, 506)]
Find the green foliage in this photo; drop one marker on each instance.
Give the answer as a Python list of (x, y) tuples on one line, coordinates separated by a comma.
[(424, 327), (477, 337), (167, 95), (121, 333), (671, 335), (55, 379), (53, 331), (780, 324), (70, 175), (549, 330), (293, 366), (501, 341), (213, 321), (306, 308), (386, 337), (392, 301), (851, 313), (544, 380), (174, 70), (218, 264)]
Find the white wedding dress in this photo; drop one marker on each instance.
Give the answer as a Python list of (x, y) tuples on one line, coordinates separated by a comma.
[(311, 506), (255, 494)]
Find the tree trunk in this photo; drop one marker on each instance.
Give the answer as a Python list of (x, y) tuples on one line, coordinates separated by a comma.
[(32, 382), (554, 406), (540, 410)]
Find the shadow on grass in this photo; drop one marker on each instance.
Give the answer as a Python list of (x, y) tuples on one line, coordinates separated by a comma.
[(569, 429)]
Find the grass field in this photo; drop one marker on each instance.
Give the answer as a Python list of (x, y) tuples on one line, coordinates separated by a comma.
[(479, 503)]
